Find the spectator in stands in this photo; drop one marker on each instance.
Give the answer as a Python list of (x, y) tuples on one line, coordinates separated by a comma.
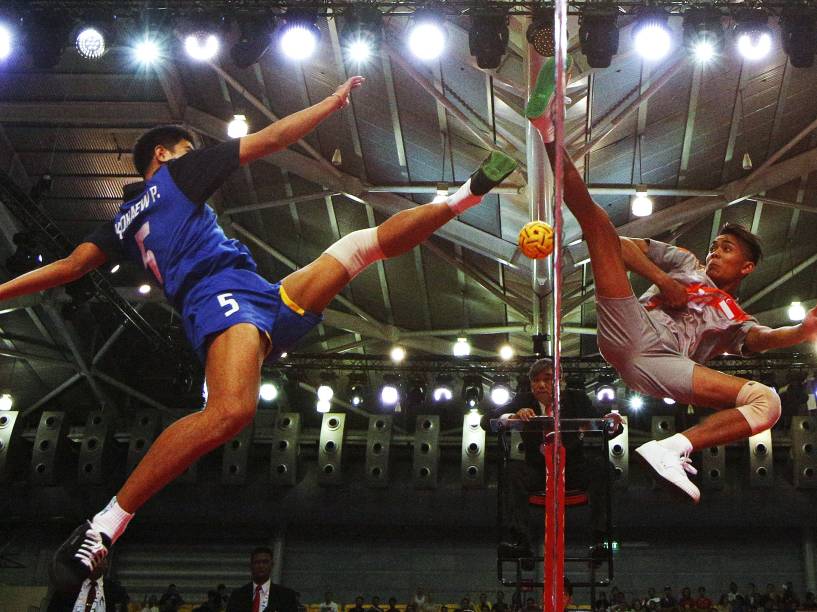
[(149, 604), (809, 603), (99, 593), (213, 603), (668, 600), (358, 604), (771, 599), (223, 595), (261, 594), (531, 605), (651, 597), (375, 607), (733, 592), (392, 605), (788, 598), (703, 602), (327, 605), (618, 602), (723, 604), (739, 604), (420, 600), (483, 605), (465, 605), (298, 604), (686, 601), (443, 608), (602, 603), (170, 599), (636, 604), (499, 604)]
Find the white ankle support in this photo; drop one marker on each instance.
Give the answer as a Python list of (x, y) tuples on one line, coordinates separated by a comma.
[(357, 250), (759, 405)]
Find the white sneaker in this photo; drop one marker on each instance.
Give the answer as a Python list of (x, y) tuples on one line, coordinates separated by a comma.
[(670, 466)]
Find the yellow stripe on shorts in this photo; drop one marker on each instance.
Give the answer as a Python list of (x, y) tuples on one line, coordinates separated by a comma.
[(289, 302)]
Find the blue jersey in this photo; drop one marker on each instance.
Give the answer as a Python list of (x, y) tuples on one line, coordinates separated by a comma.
[(165, 225)]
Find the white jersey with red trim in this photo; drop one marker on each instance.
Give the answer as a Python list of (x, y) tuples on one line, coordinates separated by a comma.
[(712, 323)]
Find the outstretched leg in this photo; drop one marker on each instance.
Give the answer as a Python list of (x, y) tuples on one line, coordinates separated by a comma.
[(603, 243), (315, 285), (233, 372)]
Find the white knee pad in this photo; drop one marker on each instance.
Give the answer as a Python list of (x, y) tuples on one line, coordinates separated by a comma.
[(759, 405), (357, 250)]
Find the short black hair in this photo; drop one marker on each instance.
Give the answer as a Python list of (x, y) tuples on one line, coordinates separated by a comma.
[(750, 241), (538, 366), (258, 550), (166, 135)]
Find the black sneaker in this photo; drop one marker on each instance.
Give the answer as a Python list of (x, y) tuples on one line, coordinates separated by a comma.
[(78, 557)]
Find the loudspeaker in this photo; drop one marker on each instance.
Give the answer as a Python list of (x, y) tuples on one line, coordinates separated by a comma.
[(713, 468), (761, 459), (426, 451), (331, 449), (143, 432), (11, 453), (95, 450), (517, 446), (50, 449), (236, 453), (378, 445), (472, 467), (804, 451), (619, 455), (663, 427), (285, 449)]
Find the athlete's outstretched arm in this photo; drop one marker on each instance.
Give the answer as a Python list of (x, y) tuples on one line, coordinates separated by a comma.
[(634, 253), (292, 128), (761, 338), (86, 257)]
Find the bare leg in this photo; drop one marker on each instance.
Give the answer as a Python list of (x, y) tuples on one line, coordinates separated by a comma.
[(314, 286), (233, 374), (720, 391), (609, 272)]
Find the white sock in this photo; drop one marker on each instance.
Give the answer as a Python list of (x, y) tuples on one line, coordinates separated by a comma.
[(462, 199), (678, 442), (112, 520)]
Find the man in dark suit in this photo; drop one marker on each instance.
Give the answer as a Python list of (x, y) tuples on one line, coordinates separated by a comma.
[(261, 595), (97, 594), (582, 471)]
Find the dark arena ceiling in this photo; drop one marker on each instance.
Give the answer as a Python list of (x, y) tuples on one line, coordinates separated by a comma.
[(729, 140)]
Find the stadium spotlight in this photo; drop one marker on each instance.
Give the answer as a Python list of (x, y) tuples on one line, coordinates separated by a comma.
[(796, 311), (427, 35), (443, 389), (238, 127), (268, 392), (362, 33), (798, 29), (146, 51), (390, 391), (6, 401), (299, 35), (397, 354), (462, 348), (91, 40), (636, 402), (506, 352), (6, 40), (472, 391), (641, 204), (651, 33), (357, 389), (598, 34), (488, 39), (605, 391), (501, 391), (703, 33), (540, 32), (753, 34), (255, 39)]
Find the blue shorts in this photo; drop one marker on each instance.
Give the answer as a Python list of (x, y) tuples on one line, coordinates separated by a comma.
[(238, 296)]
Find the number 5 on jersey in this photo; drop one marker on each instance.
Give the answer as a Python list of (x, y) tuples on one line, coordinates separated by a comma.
[(226, 300), (148, 258)]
